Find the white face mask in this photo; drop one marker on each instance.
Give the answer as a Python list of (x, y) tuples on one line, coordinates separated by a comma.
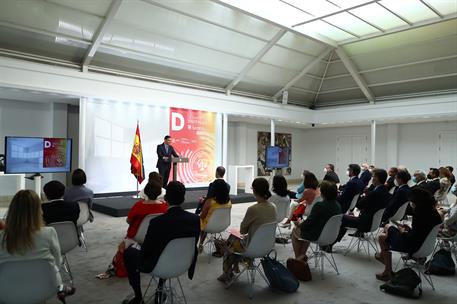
[(347, 172), (325, 170), (396, 183)]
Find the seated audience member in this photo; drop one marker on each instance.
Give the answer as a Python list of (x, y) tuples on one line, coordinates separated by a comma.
[(445, 185), (353, 187), (311, 228), (220, 199), (365, 176), (55, 209), (153, 177), (280, 197), (407, 239), (433, 180), (298, 207), (330, 174), (399, 197), (135, 217), (390, 183), (300, 189), (175, 223), (452, 179), (258, 214), (77, 191), (25, 238), (449, 216), (368, 206), (220, 172), (419, 179)]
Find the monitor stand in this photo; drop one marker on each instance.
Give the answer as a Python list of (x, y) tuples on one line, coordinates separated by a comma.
[(37, 178)]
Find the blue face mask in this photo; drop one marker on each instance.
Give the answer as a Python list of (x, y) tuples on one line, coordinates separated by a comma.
[(414, 179)]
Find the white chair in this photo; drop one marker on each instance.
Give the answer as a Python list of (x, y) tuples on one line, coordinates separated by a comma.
[(173, 262), (367, 237), (354, 202), (219, 220), (328, 235), (68, 240), (27, 281), (426, 249), (400, 214), (143, 229), (260, 244), (85, 216), (282, 211)]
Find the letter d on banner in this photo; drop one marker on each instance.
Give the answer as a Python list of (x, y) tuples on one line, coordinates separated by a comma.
[(177, 121)]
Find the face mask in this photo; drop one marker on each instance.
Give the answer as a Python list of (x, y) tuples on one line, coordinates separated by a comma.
[(396, 183), (325, 170), (347, 172), (364, 169), (414, 180)]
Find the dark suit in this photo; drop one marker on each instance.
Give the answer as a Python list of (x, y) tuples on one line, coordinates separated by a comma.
[(331, 176), (164, 166), (353, 186), (390, 183), (175, 223), (399, 198), (60, 211), (433, 186), (365, 177), (369, 205)]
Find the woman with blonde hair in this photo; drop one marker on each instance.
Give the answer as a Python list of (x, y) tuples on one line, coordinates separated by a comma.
[(445, 184), (24, 237)]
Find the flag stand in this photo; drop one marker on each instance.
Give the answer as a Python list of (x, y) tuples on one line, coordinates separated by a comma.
[(137, 191)]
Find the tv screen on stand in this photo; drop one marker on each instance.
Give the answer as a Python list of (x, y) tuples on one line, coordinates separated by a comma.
[(37, 155), (276, 157)]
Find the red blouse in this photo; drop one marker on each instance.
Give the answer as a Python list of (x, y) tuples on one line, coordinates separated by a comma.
[(139, 211)]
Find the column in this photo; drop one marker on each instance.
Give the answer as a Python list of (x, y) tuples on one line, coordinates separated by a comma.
[(373, 142)]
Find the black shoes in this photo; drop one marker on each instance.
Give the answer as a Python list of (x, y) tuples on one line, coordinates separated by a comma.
[(65, 291)]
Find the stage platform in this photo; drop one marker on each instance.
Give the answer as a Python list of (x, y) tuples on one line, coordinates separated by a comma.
[(118, 206)]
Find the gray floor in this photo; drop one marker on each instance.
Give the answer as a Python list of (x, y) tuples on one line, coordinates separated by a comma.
[(355, 284)]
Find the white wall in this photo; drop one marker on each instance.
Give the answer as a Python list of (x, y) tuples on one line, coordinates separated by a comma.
[(21, 118), (413, 145)]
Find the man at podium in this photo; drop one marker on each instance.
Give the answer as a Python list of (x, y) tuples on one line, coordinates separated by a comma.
[(165, 151)]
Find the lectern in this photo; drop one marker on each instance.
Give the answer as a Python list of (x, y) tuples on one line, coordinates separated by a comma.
[(175, 161)]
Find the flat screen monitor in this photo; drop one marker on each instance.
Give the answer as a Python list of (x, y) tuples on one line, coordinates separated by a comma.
[(37, 155), (277, 157)]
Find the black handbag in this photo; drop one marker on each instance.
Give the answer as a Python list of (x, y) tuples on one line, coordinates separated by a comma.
[(279, 277), (404, 282)]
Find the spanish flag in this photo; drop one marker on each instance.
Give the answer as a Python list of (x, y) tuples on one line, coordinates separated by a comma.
[(136, 159)]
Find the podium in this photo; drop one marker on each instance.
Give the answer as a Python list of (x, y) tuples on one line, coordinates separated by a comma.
[(175, 161)]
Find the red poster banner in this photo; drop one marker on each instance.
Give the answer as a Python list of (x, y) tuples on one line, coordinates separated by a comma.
[(194, 137), (54, 152)]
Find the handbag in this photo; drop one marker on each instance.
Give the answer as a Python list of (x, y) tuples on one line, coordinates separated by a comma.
[(441, 264), (299, 269), (278, 276), (118, 261), (405, 283)]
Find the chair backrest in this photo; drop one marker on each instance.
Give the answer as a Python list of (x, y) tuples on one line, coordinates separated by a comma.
[(330, 231), (175, 259), (354, 201), (84, 213), (141, 233), (67, 234), (376, 221), (309, 207), (261, 242), (429, 243), (219, 220), (282, 208), (398, 216), (27, 281)]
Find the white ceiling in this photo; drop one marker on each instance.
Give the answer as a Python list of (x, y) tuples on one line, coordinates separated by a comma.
[(399, 48)]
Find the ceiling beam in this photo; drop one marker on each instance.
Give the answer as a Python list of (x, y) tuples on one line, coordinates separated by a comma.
[(256, 59), (98, 36), (323, 77), (350, 66), (395, 14), (432, 8), (401, 29), (305, 70), (335, 13)]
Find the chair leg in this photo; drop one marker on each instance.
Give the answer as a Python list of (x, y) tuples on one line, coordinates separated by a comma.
[(67, 269), (182, 291), (82, 239)]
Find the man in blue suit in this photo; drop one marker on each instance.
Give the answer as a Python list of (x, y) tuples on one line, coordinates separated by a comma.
[(365, 177), (353, 187), (164, 153), (400, 195)]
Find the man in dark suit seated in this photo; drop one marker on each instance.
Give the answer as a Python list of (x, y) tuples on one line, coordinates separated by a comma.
[(452, 179), (365, 177), (419, 179), (56, 209), (353, 187), (433, 180), (164, 153), (330, 174), (399, 197), (368, 206), (390, 183), (220, 172), (175, 223)]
